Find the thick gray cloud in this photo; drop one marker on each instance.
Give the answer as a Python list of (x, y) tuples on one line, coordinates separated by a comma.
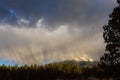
[(41, 46), (60, 29)]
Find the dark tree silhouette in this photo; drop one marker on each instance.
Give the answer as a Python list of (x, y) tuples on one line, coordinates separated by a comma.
[(112, 38), (110, 61)]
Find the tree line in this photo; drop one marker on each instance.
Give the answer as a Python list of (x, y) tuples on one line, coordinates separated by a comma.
[(66, 71), (46, 72)]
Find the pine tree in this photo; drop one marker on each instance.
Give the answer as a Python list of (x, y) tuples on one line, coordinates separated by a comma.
[(112, 38)]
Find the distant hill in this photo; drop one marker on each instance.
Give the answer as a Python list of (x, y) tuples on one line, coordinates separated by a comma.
[(79, 63)]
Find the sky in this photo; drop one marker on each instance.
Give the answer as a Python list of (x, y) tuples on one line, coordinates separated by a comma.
[(45, 31)]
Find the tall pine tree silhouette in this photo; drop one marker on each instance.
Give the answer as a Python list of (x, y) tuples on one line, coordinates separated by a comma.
[(112, 38)]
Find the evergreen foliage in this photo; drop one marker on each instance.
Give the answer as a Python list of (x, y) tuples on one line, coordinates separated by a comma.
[(53, 71), (110, 61), (112, 38)]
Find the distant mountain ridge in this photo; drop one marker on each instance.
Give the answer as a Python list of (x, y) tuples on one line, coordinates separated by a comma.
[(79, 63)]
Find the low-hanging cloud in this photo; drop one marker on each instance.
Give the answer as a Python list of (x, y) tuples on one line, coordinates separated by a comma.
[(41, 46)]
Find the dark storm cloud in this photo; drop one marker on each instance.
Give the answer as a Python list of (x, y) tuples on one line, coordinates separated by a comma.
[(54, 12)]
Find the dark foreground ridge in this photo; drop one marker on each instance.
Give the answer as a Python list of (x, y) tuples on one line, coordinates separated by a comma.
[(68, 70)]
